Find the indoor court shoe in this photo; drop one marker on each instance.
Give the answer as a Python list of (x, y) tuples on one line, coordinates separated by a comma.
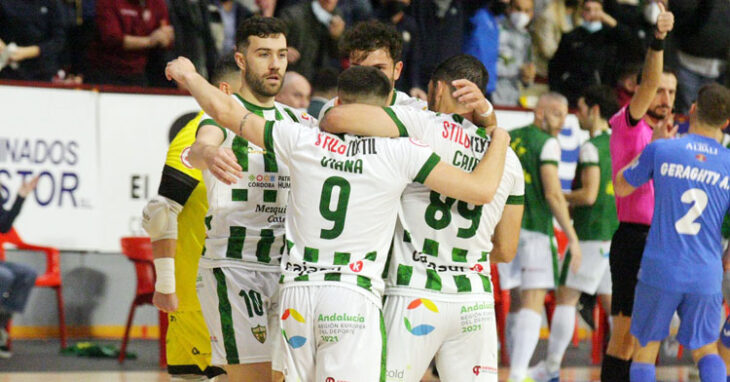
[(540, 373), (4, 349)]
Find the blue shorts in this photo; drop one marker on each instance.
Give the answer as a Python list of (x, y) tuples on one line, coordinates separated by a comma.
[(700, 316)]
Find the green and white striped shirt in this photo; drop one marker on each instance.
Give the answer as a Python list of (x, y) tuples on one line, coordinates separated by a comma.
[(442, 245), (245, 220)]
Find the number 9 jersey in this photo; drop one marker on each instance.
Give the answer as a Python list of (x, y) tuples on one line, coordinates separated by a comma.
[(692, 195)]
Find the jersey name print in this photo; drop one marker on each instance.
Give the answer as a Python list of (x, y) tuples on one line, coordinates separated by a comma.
[(343, 204), (245, 220), (692, 191)]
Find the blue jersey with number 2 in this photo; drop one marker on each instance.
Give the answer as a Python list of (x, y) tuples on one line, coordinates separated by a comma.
[(692, 194)]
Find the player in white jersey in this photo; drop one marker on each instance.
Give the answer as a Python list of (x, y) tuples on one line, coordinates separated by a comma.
[(340, 221), (439, 292), (239, 267), (374, 43)]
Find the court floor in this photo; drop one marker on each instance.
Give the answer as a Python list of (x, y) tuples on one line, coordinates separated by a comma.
[(573, 374)]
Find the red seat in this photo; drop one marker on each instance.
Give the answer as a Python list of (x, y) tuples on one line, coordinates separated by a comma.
[(139, 251), (50, 279)]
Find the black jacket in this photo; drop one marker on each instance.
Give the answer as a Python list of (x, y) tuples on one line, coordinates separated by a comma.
[(702, 27)]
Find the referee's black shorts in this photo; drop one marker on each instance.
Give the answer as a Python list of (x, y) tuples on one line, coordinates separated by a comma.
[(627, 247)]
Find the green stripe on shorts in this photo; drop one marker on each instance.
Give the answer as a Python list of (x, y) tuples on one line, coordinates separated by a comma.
[(384, 351), (224, 309)]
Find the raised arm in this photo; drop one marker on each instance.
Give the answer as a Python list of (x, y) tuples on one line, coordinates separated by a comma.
[(221, 107), (653, 66), (360, 119), (479, 186)]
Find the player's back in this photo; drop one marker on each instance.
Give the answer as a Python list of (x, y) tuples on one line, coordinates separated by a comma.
[(692, 192), (442, 244), (343, 204)]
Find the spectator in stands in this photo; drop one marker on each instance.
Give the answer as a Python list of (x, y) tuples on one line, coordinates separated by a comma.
[(127, 31), (231, 14), (586, 56), (32, 36), (626, 83), (703, 41), (191, 20), (637, 20), (16, 280), (481, 39), (267, 8), (558, 18), (295, 91), (314, 29), (440, 28), (514, 67), (324, 88), (393, 12)]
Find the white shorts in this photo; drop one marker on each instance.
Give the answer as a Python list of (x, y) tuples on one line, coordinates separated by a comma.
[(240, 308), (534, 267), (331, 333), (594, 275), (462, 336)]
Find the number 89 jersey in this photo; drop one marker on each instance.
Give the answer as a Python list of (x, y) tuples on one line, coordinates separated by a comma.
[(245, 220), (441, 244), (692, 195)]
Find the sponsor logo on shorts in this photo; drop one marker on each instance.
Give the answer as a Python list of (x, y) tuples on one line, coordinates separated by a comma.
[(423, 329), (483, 369), (295, 341), (259, 333), (331, 379)]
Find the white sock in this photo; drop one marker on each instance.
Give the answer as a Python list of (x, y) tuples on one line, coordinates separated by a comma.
[(526, 335), (509, 329), (561, 332)]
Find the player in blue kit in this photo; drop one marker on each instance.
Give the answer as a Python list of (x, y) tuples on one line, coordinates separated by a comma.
[(681, 269)]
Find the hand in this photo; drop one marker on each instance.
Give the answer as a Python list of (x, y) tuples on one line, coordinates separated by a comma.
[(607, 19), (500, 135), (165, 302), (527, 73), (20, 54), (27, 187), (178, 68), (2, 46), (337, 26), (169, 33), (575, 255), (469, 95), (665, 22), (418, 93), (293, 55), (222, 163), (664, 128)]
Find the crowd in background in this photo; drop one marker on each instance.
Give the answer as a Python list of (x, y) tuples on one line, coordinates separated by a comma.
[(528, 46)]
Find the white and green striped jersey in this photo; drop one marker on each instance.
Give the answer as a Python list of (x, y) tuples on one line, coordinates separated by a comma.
[(343, 205), (400, 99), (442, 245), (245, 220)]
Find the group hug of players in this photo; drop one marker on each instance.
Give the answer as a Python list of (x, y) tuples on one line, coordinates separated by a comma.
[(357, 246)]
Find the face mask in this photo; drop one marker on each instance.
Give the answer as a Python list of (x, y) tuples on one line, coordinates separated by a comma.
[(651, 13), (593, 26), (498, 7), (394, 7), (519, 20), (321, 14)]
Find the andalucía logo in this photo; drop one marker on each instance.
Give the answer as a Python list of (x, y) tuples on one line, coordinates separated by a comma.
[(423, 329), (296, 341)]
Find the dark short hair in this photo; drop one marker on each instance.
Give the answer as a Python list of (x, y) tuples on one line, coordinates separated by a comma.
[(369, 36), (359, 83), (260, 27), (713, 105), (325, 79), (603, 96), (223, 67), (462, 66)]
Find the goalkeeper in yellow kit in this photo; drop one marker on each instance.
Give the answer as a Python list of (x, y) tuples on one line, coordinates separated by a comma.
[(174, 219)]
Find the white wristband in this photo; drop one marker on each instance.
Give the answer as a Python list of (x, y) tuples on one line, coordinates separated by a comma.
[(165, 270), (489, 111)]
